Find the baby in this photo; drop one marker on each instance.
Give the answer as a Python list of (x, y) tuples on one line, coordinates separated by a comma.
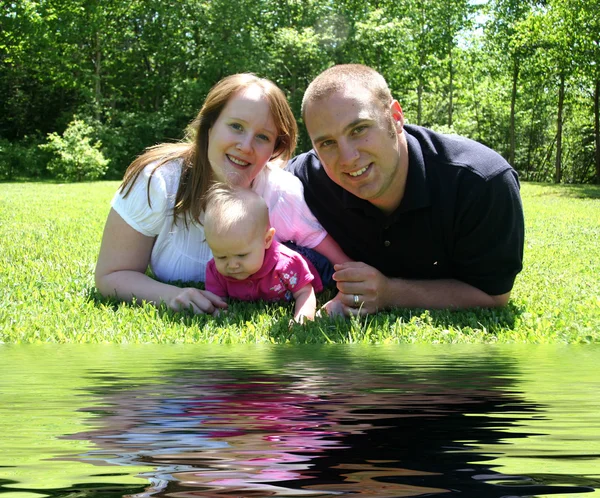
[(248, 263)]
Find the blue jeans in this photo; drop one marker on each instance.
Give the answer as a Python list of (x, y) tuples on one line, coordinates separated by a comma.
[(320, 262)]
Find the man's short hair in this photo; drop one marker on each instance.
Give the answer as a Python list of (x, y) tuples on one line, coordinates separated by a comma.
[(344, 76)]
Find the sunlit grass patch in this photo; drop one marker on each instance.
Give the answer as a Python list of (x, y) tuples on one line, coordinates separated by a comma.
[(50, 235)]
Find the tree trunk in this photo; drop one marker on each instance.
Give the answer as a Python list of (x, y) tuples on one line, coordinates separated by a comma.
[(559, 124), (98, 75), (451, 89), (597, 128), (420, 89), (476, 101), (419, 101), (513, 102), (531, 132)]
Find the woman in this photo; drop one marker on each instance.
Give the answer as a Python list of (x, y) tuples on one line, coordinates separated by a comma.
[(156, 216)]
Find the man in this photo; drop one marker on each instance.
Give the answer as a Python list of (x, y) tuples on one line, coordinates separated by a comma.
[(432, 221)]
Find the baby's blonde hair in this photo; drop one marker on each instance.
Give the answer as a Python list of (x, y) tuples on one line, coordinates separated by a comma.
[(228, 207)]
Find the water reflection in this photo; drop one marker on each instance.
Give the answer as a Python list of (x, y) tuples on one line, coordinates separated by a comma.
[(79, 490), (307, 424)]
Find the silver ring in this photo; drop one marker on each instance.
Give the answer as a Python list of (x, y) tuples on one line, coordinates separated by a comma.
[(356, 300)]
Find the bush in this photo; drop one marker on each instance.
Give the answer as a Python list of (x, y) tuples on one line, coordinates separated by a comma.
[(125, 135), (6, 168), (75, 157), (22, 159)]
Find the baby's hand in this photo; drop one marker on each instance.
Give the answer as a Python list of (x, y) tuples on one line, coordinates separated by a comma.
[(301, 319)]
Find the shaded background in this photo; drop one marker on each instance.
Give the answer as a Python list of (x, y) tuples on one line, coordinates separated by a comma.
[(521, 76)]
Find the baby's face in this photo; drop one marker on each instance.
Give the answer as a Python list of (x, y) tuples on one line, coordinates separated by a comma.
[(239, 253)]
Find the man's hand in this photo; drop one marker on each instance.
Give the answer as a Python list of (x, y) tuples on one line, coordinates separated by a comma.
[(362, 290)]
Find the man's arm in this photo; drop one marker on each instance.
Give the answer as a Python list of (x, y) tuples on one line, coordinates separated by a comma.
[(376, 292)]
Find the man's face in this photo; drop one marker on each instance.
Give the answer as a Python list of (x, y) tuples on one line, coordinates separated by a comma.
[(357, 141)]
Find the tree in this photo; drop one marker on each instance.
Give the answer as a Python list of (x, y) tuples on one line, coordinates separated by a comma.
[(586, 50), (138, 72), (501, 28)]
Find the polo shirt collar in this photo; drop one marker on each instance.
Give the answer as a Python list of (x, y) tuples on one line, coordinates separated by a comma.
[(416, 193)]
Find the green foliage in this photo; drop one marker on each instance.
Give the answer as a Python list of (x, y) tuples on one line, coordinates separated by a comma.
[(51, 234), (139, 71), (75, 157), (22, 159), (123, 136)]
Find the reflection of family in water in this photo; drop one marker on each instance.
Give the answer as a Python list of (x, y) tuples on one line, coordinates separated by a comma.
[(314, 432)]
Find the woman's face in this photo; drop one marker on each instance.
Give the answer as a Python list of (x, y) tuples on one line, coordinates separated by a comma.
[(242, 139)]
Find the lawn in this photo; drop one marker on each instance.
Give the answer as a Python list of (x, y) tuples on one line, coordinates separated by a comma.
[(50, 235)]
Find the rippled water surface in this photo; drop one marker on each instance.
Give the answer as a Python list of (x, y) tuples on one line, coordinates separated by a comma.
[(472, 421)]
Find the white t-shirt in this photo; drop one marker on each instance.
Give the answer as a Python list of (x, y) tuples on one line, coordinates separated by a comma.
[(180, 252)]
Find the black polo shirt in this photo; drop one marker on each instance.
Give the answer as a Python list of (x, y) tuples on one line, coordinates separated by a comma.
[(461, 215)]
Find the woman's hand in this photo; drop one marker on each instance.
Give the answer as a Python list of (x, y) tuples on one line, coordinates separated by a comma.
[(120, 272), (198, 301)]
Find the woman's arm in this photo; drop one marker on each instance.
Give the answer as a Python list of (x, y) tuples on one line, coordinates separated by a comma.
[(332, 251), (291, 216), (122, 263), (306, 304)]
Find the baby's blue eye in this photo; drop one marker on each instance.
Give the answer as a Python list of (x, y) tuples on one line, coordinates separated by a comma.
[(264, 138), (236, 126)]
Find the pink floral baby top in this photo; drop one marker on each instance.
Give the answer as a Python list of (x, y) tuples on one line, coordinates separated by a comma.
[(283, 272)]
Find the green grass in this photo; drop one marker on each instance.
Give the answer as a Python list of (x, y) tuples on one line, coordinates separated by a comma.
[(50, 234)]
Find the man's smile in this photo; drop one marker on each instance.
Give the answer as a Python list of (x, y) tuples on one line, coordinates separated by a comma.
[(359, 172)]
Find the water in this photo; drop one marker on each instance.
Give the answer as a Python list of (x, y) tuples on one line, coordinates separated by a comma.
[(470, 421)]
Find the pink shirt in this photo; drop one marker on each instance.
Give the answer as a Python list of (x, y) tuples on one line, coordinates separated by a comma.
[(283, 272)]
